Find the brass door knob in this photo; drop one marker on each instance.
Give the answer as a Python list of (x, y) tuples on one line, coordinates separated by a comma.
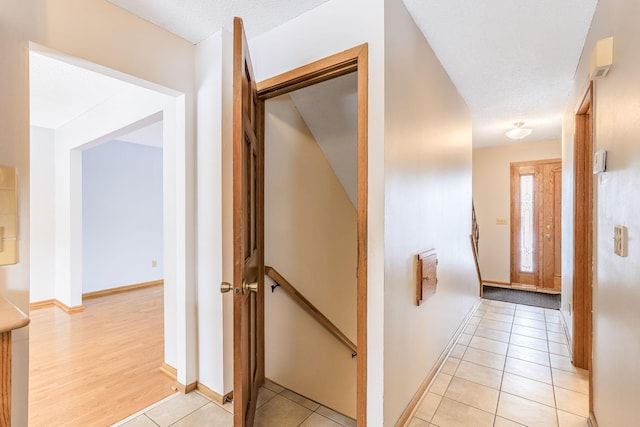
[(548, 236), (250, 287), (225, 287)]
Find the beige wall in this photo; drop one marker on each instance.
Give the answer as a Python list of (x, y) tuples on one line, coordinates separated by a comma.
[(427, 205), (310, 238), (616, 297), (96, 31), (491, 196)]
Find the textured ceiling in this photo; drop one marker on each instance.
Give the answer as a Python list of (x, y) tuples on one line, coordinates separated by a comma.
[(511, 60), (195, 20)]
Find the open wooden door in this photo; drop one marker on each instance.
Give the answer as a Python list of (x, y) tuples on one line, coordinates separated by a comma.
[(248, 236)]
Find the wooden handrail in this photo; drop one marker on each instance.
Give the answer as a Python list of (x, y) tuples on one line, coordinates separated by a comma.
[(310, 308), (475, 237)]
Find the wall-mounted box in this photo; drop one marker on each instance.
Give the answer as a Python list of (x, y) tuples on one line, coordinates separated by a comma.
[(8, 216), (427, 275)]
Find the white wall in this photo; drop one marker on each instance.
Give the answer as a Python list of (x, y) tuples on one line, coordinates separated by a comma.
[(323, 31), (492, 198), (427, 205), (214, 67), (42, 221), (616, 294), (86, 30), (121, 215), (311, 239)]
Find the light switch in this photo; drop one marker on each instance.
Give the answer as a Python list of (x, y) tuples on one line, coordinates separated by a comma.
[(501, 221), (8, 216), (620, 240)]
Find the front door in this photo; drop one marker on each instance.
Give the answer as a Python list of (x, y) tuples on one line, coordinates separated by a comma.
[(535, 225), (248, 242)]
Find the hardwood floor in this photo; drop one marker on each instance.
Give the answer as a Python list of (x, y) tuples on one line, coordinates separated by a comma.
[(97, 367)]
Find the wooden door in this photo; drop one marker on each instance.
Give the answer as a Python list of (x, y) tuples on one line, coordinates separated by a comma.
[(248, 236), (535, 225)]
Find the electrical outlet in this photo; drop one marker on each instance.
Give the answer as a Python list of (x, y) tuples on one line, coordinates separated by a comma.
[(154, 263), (501, 221)]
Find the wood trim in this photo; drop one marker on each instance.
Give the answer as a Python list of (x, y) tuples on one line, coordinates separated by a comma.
[(363, 206), (592, 419), (311, 309), (583, 234), (496, 283), (169, 370), (69, 310), (218, 398), (184, 389), (316, 72), (417, 397), (41, 304), (5, 378), (312, 73), (121, 289), (91, 295), (536, 162)]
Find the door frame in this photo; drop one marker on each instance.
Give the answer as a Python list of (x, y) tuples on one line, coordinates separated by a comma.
[(583, 238), (348, 61)]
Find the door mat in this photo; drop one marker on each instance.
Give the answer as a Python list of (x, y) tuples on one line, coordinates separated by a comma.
[(536, 299)]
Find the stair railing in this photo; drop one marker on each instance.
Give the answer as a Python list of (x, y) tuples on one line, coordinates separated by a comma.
[(475, 237), (306, 305)]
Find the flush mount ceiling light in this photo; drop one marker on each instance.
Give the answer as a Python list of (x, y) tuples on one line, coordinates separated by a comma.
[(518, 132)]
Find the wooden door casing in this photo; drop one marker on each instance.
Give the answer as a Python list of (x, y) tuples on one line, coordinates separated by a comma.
[(551, 220), (547, 187), (248, 235)]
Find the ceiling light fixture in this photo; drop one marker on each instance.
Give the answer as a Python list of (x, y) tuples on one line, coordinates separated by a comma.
[(518, 132)]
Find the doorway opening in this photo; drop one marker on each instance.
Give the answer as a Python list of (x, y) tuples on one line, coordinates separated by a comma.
[(248, 183), (88, 124), (311, 165)]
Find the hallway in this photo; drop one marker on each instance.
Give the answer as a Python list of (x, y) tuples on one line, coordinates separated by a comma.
[(510, 367)]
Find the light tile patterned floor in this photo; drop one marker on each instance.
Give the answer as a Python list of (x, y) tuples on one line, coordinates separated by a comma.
[(510, 367), (276, 407)]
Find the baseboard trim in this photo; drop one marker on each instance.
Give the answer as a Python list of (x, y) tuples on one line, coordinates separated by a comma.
[(41, 304), (218, 398), (417, 397), (55, 303), (184, 389), (90, 295), (496, 283), (592, 419), (122, 289), (169, 371)]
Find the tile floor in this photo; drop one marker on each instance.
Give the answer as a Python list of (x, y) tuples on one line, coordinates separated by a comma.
[(276, 407), (510, 367)]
